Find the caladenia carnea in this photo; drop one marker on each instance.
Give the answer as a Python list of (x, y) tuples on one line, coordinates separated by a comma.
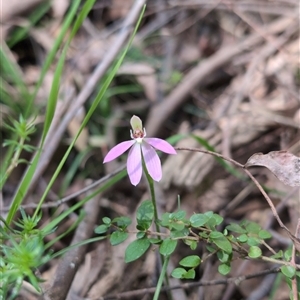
[(142, 155), (142, 150)]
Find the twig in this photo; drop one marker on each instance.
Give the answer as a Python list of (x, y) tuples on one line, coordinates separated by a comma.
[(293, 261), (72, 196), (295, 240), (236, 280)]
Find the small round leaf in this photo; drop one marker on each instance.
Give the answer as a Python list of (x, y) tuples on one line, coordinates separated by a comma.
[(254, 252), (178, 273), (224, 269), (136, 249), (288, 271), (167, 247), (118, 237), (191, 261)]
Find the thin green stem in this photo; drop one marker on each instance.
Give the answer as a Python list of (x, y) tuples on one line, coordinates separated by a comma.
[(153, 198), (164, 260), (162, 275)]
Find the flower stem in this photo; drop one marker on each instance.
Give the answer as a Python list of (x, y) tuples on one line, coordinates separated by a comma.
[(163, 260), (153, 198), (162, 275)]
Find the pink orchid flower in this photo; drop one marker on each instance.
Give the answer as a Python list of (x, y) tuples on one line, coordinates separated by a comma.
[(141, 147)]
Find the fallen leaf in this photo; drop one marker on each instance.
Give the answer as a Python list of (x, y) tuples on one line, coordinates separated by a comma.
[(284, 165)]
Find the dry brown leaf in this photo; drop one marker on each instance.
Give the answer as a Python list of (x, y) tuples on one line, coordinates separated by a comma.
[(284, 165)]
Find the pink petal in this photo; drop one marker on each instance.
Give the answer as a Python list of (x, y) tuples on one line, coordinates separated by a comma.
[(152, 161), (118, 150), (160, 145), (134, 164)]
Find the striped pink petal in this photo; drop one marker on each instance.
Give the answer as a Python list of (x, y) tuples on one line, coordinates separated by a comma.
[(134, 164), (160, 145), (152, 161), (118, 150)]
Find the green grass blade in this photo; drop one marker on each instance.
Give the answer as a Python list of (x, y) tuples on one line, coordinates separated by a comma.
[(81, 216), (6, 65), (50, 226), (85, 242), (10, 71), (57, 44), (51, 105), (88, 5), (20, 33), (89, 113)]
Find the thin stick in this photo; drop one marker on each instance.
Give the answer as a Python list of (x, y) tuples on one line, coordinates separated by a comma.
[(236, 280), (72, 196), (295, 240)]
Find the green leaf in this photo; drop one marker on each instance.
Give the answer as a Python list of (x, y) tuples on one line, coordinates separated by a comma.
[(154, 240), (165, 219), (122, 222), (253, 241), (210, 248), (223, 256), (178, 215), (235, 228), (145, 215), (198, 220), (218, 219), (264, 234), (101, 229), (178, 273), (192, 244), (118, 237), (179, 233), (106, 220), (279, 254), (254, 252), (190, 274), (288, 271), (136, 249), (252, 227), (220, 241), (191, 261), (288, 254), (178, 226), (243, 238), (140, 234), (224, 269), (167, 247)]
